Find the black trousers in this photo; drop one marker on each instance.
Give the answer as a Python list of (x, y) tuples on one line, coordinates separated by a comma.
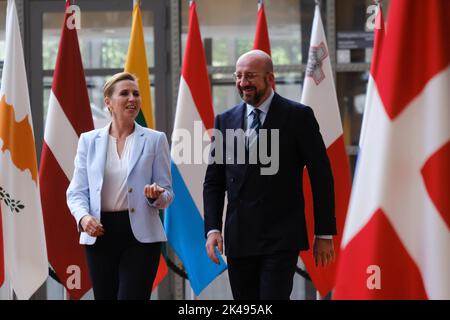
[(265, 277), (120, 267)]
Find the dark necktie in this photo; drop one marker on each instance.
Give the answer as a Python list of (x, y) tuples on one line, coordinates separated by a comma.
[(254, 128), (256, 123)]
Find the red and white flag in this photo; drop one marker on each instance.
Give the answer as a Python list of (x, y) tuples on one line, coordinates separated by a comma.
[(261, 41), (320, 94), (69, 115), (379, 35), (396, 243), (25, 254)]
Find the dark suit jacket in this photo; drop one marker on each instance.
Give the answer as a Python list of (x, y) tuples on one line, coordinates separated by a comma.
[(265, 213)]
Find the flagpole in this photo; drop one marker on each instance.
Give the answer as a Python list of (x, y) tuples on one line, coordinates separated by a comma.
[(66, 295), (192, 295), (318, 297), (260, 4)]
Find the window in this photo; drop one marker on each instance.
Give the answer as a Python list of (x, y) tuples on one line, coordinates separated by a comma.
[(103, 38)]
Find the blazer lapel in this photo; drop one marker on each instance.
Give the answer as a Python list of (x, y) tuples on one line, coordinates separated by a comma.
[(138, 146), (101, 149)]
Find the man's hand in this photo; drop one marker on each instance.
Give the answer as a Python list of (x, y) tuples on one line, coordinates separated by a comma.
[(214, 240), (153, 191), (323, 251), (91, 226)]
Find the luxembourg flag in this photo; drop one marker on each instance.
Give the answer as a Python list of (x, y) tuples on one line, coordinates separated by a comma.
[(184, 218)]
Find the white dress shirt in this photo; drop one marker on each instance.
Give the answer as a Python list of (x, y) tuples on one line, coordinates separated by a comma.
[(114, 189)]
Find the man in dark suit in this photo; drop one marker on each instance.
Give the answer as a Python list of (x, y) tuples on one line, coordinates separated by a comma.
[(265, 225)]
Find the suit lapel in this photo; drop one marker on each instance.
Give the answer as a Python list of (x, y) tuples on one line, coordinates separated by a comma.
[(274, 120), (237, 118), (235, 121), (275, 116), (138, 146)]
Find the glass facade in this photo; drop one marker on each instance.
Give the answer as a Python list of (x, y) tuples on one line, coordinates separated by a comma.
[(103, 39)]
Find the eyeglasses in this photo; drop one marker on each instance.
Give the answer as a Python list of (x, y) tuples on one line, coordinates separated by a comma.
[(250, 76)]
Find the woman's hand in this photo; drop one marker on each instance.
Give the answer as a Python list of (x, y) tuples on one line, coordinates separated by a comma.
[(91, 226), (153, 191)]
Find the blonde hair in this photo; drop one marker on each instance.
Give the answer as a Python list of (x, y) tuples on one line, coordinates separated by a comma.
[(108, 87)]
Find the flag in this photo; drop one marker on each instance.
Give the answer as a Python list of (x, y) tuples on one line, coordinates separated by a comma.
[(379, 35), (396, 242), (136, 64), (68, 116), (25, 253), (2, 260), (320, 94), (184, 218), (262, 41)]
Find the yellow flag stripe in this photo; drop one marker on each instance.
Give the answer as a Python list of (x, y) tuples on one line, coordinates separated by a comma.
[(136, 64)]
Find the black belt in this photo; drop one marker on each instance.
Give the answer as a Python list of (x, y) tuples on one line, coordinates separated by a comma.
[(115, 212)]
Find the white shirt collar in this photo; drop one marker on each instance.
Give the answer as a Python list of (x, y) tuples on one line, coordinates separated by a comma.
[(264, 107)]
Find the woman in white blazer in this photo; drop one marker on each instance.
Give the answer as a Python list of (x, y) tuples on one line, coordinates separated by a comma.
[(121, 178)]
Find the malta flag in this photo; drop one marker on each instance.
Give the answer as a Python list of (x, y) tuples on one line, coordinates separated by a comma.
[(25, 253), (68, 116), (136, 64), (320, 94), (396, 243), (261, 40), (194, 115)]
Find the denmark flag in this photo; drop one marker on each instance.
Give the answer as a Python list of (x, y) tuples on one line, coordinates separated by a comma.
[(396, 242)]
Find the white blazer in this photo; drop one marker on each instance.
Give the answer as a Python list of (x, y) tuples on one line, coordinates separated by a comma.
[(149, 163)]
